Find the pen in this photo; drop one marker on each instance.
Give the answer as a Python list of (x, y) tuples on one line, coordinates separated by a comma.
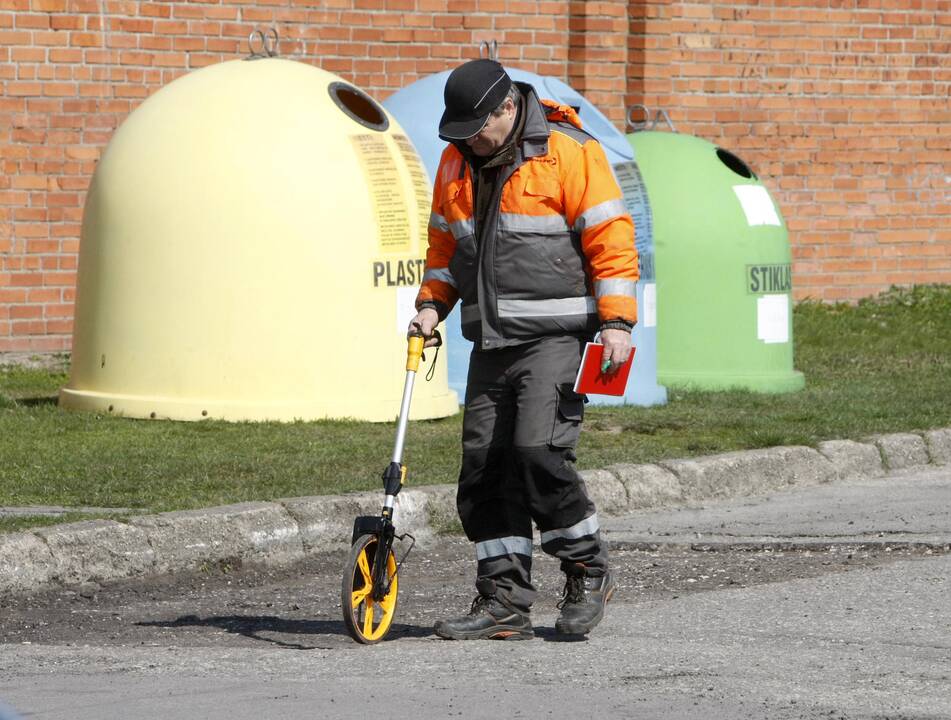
[(605, 365)]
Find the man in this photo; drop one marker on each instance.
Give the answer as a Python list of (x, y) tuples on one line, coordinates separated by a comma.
[(529, 230)]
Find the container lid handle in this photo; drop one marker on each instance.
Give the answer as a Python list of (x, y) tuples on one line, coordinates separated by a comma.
[(489, 49), (262, 43), (635, 124)]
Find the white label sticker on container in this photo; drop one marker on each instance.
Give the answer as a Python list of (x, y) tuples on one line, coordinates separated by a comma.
[(757, 204), (405, 307), (772, 318), (650, 305)]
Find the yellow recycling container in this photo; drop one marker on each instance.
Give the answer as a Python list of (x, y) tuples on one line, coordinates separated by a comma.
[(252, 242)]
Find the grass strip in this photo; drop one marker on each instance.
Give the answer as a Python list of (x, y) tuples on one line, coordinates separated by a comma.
[(881, 365)]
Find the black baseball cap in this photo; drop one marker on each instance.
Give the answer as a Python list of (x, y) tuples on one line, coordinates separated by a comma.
[(473, 91)]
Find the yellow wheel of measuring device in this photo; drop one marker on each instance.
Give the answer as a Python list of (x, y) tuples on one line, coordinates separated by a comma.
[(367, 620)]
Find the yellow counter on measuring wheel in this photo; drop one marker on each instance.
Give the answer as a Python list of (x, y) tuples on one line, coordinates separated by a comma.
[(252, 242)]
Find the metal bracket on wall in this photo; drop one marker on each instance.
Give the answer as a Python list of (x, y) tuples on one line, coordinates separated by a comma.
[(646, 123), (262, 44)]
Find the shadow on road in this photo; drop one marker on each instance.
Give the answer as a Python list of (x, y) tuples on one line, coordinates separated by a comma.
[(262, 628), (252, 626)]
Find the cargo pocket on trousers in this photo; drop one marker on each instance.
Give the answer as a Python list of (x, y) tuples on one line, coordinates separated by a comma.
[(569, 413)]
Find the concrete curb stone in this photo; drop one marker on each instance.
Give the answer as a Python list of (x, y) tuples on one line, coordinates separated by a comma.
[(749, 472), (189, 539), (413, 511), (289, 529), (606, 491), (939, 446), (648, 485), (441, 511), (325, 522), (902, 450), (852, 459), (97, 551), (26, 563)]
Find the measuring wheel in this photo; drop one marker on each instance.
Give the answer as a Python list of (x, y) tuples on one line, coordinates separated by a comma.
[(370, 583), (368, 612)]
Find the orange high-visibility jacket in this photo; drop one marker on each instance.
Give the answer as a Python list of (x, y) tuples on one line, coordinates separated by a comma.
[(555, 254)]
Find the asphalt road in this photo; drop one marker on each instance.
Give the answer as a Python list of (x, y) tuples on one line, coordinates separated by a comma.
[(825, 602)]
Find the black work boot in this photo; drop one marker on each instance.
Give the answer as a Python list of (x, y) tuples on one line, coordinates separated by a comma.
[(489, 619), (582, 606)]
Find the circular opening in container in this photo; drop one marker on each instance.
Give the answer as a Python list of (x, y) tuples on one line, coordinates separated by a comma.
[(359, 106), (734, 163)]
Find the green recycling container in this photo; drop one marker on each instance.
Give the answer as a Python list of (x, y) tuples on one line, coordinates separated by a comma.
[(722, 260)]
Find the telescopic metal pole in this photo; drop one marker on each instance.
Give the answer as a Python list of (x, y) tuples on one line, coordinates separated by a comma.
[(404, 416)]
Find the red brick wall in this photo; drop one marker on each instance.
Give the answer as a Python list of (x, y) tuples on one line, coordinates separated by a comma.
[(842, 107), (597, 54), (843, 111)]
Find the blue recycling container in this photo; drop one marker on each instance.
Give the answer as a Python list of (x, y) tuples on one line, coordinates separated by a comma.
[(418, 108)]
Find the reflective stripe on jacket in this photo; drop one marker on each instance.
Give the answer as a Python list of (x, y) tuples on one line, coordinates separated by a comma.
[(556, 253)]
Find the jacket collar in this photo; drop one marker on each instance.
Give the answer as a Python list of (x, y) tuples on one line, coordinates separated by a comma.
[(538, 116), (536, 131)]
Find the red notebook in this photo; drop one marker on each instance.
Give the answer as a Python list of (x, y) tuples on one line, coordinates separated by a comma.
[(590, 381)]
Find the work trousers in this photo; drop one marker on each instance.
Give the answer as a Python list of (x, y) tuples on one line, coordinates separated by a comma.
[(521, 425)]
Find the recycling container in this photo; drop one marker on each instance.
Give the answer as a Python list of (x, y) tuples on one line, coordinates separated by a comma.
[(418, 108), (252, 241), (722, 257)]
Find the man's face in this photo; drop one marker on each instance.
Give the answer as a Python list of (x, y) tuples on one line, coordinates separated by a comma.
[(490, 138)]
